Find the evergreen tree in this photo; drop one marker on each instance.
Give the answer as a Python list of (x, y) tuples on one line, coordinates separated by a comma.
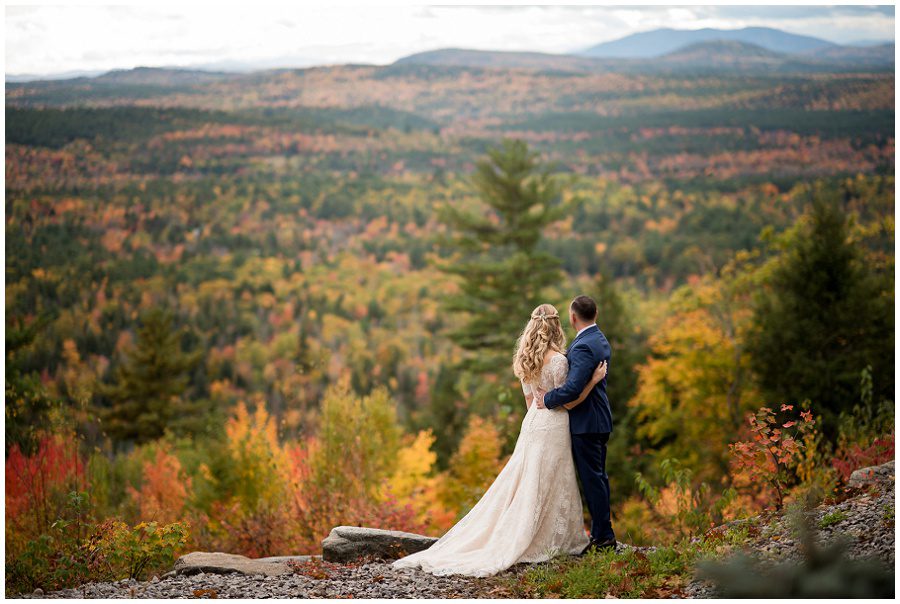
[(627, 343), (823, 317), (629, 347), (446, 411), (502, 271), (28, 407), (148, 394)]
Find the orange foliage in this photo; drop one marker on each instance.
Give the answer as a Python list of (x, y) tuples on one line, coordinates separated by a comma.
[(164, 489)]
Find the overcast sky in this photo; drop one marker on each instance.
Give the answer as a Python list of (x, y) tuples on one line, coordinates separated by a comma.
[(46, 40)]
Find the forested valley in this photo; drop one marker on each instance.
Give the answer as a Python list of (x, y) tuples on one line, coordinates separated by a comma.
[(242, 309)]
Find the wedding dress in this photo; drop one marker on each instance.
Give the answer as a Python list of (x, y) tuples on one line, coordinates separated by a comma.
[(531, 512)]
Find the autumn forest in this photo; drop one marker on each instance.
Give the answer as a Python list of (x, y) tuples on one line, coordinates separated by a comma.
[(251, 307)]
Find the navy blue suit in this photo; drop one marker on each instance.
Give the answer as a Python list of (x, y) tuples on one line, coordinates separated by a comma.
[(590, 423)]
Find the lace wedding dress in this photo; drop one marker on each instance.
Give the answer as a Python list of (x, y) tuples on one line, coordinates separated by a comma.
[(530, 513)]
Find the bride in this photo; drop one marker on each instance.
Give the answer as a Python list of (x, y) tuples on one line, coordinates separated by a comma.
[(532, 511)]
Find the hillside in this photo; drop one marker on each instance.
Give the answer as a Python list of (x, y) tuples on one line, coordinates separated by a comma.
[(878, 54), (461, 57)]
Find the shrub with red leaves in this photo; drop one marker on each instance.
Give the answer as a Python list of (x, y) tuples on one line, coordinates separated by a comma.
[(859, 456), (36, 485)]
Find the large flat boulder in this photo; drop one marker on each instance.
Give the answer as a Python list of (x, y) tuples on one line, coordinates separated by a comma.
[(220, 563), (864, 477), (348, 543)]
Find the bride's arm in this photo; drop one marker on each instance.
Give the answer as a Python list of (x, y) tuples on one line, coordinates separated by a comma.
[(529, 395), (598, 375)]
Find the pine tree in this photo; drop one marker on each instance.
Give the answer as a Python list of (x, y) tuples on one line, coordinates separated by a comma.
[(28, 406), (148, 393), (502, 271), (823, 318), (446, 414), (629, 347)]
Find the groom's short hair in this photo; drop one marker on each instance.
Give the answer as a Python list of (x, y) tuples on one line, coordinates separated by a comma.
[(584, 308)]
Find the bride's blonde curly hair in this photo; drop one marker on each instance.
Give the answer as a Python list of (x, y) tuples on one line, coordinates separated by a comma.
[(542, 332)]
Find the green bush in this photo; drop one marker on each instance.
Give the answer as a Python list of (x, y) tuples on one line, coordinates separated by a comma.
[(77, 550)]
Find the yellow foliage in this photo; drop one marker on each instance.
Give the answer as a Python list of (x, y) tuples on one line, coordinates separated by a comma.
[(413, 482), (359, 438), (260, 463), (473, 467), (414, 464), (694, 388)]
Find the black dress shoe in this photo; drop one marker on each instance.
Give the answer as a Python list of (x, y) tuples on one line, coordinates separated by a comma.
[(599, 546), (609, 544)]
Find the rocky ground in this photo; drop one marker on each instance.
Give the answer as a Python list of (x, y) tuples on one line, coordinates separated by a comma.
[(865, 519), (322, 580)]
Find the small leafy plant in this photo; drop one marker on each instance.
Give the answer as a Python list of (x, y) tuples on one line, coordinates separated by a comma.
[(695, 508), (774, 449), (76, 550), (133, 551), (832, 518)]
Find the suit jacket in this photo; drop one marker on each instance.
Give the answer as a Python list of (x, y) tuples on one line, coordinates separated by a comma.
[(593, 414)]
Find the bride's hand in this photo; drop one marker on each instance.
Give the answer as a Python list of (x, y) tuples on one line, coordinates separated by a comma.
[(599, 373)]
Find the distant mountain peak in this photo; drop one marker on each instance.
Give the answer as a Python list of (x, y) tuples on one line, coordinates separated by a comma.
[(662, 41)]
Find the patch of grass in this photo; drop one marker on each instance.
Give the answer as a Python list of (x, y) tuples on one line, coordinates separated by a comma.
[(888, 514), (627, 574), (832, 518), (661, 573)]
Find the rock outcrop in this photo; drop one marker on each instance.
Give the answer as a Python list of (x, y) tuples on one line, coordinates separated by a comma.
[(864, 477), (220, 563), (349, 543)]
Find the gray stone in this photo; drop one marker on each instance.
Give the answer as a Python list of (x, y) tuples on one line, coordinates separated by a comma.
[(348, 543), (871, 475), (217, 562), (288, 558)]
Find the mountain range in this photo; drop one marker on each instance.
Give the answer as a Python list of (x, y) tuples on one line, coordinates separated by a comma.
[(697, 57), (751, 50)]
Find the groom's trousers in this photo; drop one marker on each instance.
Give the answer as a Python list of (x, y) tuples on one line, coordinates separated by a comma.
[(589, 453)]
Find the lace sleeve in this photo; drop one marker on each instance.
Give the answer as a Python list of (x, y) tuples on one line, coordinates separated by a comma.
[(559, 369), (526, 388)]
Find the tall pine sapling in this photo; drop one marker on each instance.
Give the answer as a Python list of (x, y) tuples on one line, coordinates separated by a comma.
[(149, 389), (502, 271)]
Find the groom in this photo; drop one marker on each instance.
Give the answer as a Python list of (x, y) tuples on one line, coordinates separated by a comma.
[(590, 422)]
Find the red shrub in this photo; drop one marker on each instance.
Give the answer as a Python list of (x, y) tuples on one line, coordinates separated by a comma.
[(857, 456), (35, 485)]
